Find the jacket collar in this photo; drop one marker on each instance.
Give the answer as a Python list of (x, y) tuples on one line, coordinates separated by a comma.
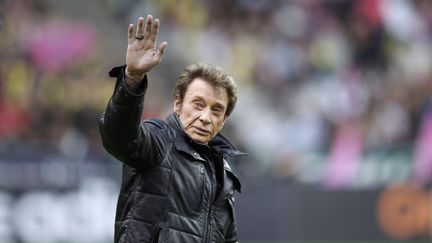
[(219, 143)]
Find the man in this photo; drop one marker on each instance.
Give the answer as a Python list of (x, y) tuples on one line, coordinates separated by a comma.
[(176, 184)]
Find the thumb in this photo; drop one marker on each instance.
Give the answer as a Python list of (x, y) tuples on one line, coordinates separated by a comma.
[(161, 49)]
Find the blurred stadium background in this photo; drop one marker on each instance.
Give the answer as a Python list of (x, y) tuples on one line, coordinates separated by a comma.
[(335, 112)]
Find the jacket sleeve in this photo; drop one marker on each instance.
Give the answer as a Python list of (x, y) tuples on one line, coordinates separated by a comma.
[(231, 235), (123, 135)]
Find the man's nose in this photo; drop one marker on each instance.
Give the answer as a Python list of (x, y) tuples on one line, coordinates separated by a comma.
[(205, 116)]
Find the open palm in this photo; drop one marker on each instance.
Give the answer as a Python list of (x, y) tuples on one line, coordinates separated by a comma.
[(142, 54)]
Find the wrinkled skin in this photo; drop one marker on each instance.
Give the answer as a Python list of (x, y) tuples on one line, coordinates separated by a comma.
[(202, 110)]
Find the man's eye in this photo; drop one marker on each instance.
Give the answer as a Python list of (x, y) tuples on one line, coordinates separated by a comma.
[(217, 111), (199, 104)]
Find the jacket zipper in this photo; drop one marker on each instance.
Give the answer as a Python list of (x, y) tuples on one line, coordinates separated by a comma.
[(213, 199), (209, 223), (223, 184), (210, 205)]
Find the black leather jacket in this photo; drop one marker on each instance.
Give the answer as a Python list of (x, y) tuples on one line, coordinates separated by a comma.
[(168, 191)]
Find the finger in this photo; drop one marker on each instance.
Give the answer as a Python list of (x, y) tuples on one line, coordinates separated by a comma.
[(130, 33), (161, 49), (139, 31), (148, 26), (155, 32)]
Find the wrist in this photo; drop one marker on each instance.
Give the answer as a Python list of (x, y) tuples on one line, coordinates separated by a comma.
[(133, 78)]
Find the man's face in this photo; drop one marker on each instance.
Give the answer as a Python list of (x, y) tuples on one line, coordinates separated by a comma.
[(202, 110)]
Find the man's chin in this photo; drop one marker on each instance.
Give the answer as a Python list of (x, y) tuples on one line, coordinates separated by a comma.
[(200, 139)]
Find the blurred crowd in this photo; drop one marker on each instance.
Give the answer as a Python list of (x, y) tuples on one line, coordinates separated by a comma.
[(340, 78)]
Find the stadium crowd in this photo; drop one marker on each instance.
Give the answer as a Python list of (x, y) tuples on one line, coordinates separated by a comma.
[(314, 76)]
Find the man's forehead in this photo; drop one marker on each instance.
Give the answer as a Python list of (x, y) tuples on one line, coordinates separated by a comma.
[(205, 90), (199, 85)]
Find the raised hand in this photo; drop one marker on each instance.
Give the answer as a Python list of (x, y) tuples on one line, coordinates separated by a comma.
[(142, 54)]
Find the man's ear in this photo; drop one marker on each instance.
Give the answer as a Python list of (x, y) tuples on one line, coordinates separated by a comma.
[(177, 104)]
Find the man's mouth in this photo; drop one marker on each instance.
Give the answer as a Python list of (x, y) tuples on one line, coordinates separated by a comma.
[(201, 131)]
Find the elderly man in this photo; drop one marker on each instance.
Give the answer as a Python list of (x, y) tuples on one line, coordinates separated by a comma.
[(176, 184)]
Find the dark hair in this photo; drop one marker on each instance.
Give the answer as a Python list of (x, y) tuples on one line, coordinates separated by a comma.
[(212, 74)]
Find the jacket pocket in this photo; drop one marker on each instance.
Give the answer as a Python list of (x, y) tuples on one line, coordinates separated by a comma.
[(188, 183), (157, 236)]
